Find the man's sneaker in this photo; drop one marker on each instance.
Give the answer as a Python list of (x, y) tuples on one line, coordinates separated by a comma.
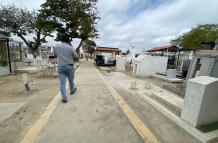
[(74, 90), (64, 100)]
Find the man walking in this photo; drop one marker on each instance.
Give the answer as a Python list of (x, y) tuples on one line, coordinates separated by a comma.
[(66, 55)]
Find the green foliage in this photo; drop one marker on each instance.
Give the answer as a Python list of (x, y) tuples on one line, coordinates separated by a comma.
[(5, 33), (89, 46), (21, 22), (3, 63), (75, 18), (199, 34), (15, 20)]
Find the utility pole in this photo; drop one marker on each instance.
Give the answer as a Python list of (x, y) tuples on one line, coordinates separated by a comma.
[(9, 55)]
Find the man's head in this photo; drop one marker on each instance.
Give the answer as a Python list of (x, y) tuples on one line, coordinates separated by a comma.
[(66, 39)]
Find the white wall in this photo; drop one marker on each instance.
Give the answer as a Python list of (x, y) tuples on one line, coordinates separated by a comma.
[(150, 65), (206, 66), (159, 64)]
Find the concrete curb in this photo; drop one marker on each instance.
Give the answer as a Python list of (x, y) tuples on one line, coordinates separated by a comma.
[(203, 137)]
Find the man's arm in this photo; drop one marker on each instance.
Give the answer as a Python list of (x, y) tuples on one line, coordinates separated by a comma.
[(75, 55), (55, 54)]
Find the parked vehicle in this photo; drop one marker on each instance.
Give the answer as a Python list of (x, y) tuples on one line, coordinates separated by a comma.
[(105, 61)]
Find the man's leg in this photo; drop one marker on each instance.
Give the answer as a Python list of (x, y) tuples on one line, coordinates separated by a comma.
[(62, 77), (71, 79)]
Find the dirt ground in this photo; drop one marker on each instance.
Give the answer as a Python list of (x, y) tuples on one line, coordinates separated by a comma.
[(42, 91)]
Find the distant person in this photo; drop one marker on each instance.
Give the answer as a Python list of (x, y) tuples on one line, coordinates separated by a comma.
[(66, 55), (87, 57)]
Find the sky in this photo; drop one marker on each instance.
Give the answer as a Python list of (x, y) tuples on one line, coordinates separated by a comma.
[(143, 24)]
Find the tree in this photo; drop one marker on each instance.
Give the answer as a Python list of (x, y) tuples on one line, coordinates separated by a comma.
[(202, 36), (89, 46), (74, 18), (21, 22)]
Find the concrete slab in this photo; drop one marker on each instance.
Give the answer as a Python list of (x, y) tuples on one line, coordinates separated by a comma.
[(170, 99), (105, 68), (29, 70), (174, 89), (8, 109), (174, 80)]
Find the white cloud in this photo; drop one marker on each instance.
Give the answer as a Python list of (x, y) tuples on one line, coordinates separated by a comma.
[(29, 4), (143, 23), (152, 27)]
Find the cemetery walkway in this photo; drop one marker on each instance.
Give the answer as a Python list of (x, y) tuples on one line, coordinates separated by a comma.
[(100, 112), (92, 116)]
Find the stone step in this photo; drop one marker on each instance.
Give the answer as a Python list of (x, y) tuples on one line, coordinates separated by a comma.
[(172, 100), (29, 70), (168, 99), (172, 80), (175, 110), (173, 89)]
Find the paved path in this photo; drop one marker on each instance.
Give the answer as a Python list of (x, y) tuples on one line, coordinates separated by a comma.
[(164, 129), (92, 116)]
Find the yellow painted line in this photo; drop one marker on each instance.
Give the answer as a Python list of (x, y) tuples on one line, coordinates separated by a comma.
[(139, 126), (33, 133)]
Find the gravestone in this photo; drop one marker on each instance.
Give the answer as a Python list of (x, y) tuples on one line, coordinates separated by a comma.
[(133, 85), (25, 81), (120, 64), (201, 101), (171, 73)]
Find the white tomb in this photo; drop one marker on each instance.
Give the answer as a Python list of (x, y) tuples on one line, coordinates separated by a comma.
[(130, 57), (171, 73), (146, 65), (201, 101)]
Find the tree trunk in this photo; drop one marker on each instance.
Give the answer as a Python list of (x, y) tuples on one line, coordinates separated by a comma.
[(35, 47), (78, 47), (33, 53)]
